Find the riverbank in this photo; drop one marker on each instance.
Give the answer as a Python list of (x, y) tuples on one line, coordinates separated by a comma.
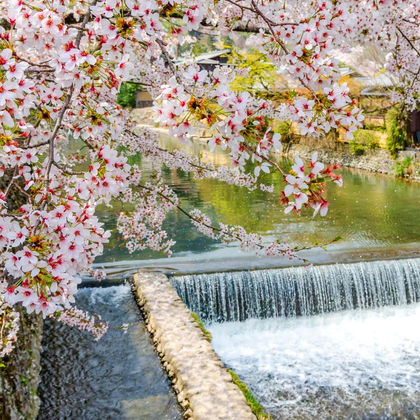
[(406, 164), (377, 160)]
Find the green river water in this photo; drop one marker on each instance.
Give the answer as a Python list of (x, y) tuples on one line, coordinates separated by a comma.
[(376, 216)]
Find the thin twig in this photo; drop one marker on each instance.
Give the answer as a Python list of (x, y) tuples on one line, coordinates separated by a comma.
[(168, 58), (270, 161), (408, 40), (12, 180), (44, 143), (172, 154), (67, 171), (213, 228)]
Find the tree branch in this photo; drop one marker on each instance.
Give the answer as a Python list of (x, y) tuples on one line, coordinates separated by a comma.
[(408, 40)]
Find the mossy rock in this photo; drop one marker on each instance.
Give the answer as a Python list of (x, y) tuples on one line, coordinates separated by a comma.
[(207, 334), (256, 407)]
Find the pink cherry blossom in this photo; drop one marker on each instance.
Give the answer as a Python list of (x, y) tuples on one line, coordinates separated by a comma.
[(59, 83), (295, 185)]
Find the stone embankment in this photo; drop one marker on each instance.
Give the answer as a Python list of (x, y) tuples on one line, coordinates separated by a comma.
[(20, 372), (378, 160), (204, 388)]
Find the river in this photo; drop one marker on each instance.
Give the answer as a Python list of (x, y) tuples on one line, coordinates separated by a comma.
[(349, 364)]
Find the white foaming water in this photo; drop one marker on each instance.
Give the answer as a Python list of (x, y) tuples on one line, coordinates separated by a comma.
[(358, 364)]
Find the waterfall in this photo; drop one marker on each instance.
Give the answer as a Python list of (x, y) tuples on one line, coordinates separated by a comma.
[(290, 292)]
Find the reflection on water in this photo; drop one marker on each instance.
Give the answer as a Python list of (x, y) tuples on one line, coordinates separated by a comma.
[(370, 211), (118, 378), (347, 365)]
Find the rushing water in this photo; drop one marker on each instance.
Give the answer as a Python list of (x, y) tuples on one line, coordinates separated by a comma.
[(118, 378), (359, 364), (296, 291), (326, 342)]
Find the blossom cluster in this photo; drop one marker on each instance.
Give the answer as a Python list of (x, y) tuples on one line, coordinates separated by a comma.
[(9, 320), (44, 251), (142, 228), (247, 241), (75, 317), (306, 186), (394, 27)]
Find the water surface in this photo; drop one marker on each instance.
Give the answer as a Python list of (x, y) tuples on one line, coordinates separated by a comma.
[(370, 212), (119, 377), (344, 365)]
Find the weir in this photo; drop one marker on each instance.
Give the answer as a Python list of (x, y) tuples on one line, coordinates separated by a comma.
[(296, 291)]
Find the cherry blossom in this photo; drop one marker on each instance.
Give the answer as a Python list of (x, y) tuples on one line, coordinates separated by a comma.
[(66, 145), (8, 336), (294, 185)]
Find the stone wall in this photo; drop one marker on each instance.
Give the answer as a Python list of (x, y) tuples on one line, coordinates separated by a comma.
[(19, 377), (20, 374), (378, 160), (204, 388)]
